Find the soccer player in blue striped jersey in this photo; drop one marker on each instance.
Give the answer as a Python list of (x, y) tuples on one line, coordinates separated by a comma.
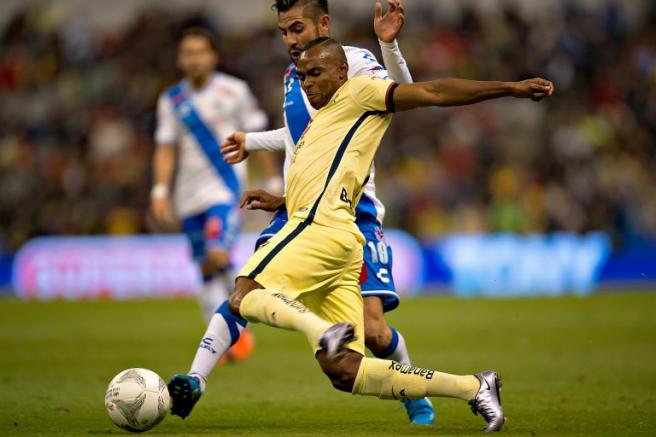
[(193, 117)]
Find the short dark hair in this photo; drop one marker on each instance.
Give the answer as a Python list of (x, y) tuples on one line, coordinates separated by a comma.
[(320, 41), (201, 32), (311, 8), (330, 44)]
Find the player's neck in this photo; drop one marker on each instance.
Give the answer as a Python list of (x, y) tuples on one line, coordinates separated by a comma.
[(199, 83)]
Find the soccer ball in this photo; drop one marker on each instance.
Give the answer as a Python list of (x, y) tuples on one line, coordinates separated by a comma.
[(137, 400)]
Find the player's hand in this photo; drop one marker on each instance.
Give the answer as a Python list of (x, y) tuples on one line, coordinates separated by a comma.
[(388, 26), (260, 199), (535, 89), (234, 148), (162, 211)]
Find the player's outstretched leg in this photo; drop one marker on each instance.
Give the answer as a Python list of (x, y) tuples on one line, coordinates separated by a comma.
[(223, 331), (255, 304), (275, 309), (386, 379), (386, 342), (392, 380)]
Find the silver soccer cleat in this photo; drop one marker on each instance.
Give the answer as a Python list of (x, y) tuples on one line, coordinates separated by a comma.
[(488, 401), (336, 337)]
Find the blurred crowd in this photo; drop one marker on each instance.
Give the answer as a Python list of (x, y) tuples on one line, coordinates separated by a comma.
[(77, 118)]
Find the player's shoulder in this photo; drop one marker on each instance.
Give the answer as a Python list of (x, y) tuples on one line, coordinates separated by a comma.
[(171, 89), (359, 82), (363, 63), (358, 53)]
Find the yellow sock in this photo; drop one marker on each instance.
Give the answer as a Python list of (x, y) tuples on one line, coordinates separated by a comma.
[(391, 380), (275, 309)]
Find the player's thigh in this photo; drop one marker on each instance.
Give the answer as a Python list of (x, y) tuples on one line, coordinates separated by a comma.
[(301, 259), (376, 279), (343, 301)]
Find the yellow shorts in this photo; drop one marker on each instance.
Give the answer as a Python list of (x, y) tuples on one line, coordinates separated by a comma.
[(317, 265)]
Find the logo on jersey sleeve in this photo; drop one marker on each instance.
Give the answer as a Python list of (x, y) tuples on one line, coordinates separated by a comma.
[(375, 69), (344, 198)]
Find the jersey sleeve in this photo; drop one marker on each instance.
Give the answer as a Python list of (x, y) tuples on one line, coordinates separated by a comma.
[(251, 117), (394, 62), (166, 133), (273, 140), (373, 94), (363, 63)]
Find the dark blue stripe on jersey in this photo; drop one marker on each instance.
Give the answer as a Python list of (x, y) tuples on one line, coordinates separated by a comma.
[(296, 111), (267, 259), (389, 98), (188, 115), (310, 218), (338, 159)]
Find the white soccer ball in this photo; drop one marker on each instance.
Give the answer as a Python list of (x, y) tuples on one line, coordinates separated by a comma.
[(137, 400)]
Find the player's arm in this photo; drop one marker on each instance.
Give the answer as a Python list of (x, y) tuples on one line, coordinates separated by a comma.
[(254, 119), (387, 28), (260, 199), (164, 162), (238, 146), (459, 92)]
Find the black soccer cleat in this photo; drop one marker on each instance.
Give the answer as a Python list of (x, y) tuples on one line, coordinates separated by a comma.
[(185, 392)]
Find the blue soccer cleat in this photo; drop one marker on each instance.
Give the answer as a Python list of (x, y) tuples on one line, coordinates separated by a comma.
[(185, 392), (420, 411)]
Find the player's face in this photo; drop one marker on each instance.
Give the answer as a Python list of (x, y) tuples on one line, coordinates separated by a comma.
[(298, 30), (321, 75), (196, 58)]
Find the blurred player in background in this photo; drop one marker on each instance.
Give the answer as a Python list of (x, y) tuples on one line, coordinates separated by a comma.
[(301, 21), (193, 117)]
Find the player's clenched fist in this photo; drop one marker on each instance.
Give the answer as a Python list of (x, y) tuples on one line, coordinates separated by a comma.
[(260, 199), (535, 89), (234, 148)]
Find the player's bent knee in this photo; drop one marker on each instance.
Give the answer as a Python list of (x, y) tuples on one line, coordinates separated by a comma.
[(378, 340), (341, 370), (243, 286), (377, 335)]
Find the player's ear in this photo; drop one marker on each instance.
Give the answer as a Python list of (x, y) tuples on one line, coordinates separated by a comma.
[(343, 71), (324, 25)]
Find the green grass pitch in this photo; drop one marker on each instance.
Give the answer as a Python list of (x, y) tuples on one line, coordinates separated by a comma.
[(571, 366)]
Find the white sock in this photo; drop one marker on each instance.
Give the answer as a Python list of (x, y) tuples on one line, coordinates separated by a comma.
[(223, 331), (214, 292), (396, 350)]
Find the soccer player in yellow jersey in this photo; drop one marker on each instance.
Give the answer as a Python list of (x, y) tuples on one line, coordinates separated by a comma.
[(306, 277)]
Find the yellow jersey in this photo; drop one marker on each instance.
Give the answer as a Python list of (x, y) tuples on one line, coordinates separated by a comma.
[(333, 157)]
